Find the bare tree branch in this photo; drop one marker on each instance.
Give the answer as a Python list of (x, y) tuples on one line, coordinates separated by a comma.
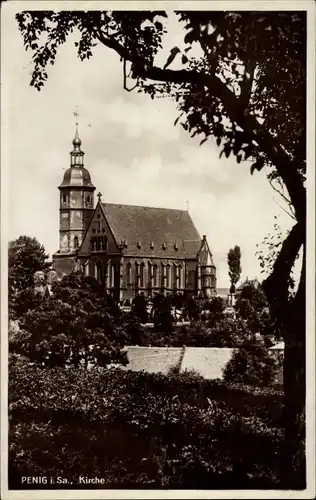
[(280, 193), (287, 168)]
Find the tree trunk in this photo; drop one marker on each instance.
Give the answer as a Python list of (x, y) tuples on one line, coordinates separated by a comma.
[(290, 314), (293, 468)]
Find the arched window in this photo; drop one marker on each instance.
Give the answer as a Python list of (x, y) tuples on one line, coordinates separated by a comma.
[(93, 244), (175, 276), (103, 242), (129, 273), (163, 275), (155, 275), (99, 271), (112, 276), (64, 198), (108, 274), (141, 275), (76, 242), (180, 276), (86, 268), (168, 276), (88, 199)]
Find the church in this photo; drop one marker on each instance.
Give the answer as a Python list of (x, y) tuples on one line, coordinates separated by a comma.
[(131, 249)]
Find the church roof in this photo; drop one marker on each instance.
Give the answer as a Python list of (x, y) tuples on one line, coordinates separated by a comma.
[(77, 176), (149, 231)]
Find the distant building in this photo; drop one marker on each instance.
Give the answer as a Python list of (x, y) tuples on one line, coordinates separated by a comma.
[(247, 282), (131, 249)]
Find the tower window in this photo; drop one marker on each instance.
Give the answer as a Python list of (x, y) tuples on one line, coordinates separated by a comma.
[(88, 199), (64, 198), (76, 242)]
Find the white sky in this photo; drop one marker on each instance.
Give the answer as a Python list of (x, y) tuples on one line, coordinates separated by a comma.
[(133, 151)]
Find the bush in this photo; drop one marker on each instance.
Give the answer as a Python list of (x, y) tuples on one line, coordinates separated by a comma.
[(252, 364)]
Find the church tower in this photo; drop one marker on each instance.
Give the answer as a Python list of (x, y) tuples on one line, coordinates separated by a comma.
[(76, 204)]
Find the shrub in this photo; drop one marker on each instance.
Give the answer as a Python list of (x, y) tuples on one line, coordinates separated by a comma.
[(252, 364), (71, 422)]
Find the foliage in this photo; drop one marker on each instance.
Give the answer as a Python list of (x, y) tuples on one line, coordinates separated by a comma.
[(72, 422), (268, 250), (252, 364), (233, 259), (216, 309), (139, 308), (265, 47), (163, 320), (73, 325), (225, 332), (26, 257), (252, 306)]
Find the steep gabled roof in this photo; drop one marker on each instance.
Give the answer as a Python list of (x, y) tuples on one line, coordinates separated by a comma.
[(153, 232)]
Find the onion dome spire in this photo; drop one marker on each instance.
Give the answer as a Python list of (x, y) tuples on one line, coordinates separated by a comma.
[(77, 141), (76, 154)]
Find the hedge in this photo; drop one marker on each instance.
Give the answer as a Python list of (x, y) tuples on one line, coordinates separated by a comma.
[(141, 430)]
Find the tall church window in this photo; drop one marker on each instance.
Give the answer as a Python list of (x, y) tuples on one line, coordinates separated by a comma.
[(93, 243), (112, 276), (163, 276), (137, 268), (76, 242), (168, 276), (108, 275), (86, 268), (129, 273), (174, 276), (103, 242), (99, 271), (141, 275), (180, 276), (155, 275)]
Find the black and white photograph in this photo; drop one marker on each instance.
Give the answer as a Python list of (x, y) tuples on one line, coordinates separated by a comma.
[(157, 249)]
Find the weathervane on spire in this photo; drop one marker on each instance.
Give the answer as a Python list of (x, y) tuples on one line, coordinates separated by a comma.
[(76, 115)]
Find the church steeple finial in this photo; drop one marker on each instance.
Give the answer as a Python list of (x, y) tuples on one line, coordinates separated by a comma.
[(76, 154), (77, 141)]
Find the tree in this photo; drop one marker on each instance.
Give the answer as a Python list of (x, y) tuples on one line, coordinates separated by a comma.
[(26, 257), (216, 308), (252, 364), (234, 266), (74, 325), (163, 319), (139, 308), (248, 91)]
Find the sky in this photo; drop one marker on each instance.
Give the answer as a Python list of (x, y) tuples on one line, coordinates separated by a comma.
[(133, 151)]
